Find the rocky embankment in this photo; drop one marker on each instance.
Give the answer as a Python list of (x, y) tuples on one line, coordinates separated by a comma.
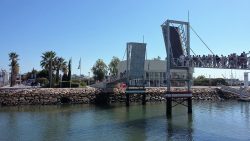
[(47, 96), (50, 96), (157, 94)]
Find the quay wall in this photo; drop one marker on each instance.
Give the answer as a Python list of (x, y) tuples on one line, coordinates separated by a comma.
[(52, 96)]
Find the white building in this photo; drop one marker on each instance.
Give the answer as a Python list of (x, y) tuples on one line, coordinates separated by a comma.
[(155, 73), (4, 78)]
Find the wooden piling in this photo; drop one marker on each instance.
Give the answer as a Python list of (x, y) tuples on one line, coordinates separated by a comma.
[(189, 100), (127, 99), (169, 107)]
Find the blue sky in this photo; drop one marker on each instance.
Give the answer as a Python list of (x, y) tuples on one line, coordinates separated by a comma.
[(93, 29)]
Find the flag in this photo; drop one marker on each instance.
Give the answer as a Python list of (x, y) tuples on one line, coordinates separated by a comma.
[(79, 66)]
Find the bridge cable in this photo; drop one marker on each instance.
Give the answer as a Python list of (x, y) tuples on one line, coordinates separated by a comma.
[(201, 39), (192, 51), (124, 54)]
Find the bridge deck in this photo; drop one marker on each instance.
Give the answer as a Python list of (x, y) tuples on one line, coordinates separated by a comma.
[(177, 63), (179, 94)]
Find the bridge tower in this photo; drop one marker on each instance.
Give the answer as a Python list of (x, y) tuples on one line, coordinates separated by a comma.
[(136, 53), (176, 36)]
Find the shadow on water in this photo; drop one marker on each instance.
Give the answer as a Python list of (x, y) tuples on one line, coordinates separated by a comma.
[(136, 125)]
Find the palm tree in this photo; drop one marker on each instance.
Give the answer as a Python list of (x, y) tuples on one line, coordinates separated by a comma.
[(48, 60), (13, 57), (99, 70), (65, 73), (69, 69), (60, 65)]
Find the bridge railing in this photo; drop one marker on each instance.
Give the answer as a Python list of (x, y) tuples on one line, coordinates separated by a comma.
[(210, 62), (240, 92)]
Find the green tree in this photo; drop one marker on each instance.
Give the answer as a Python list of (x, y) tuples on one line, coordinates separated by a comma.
[(201, 77), (48, 60), (42, 77), (218, 81), (60, 64), (69, 69), (65, 73), (201, 81), (113, 66), (13, 57), (43, 74), (99, 70)]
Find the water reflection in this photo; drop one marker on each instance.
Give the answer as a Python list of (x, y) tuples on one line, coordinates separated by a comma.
[(180, 128), (56, 125), (134, 123), (244, 109), (118, 122)]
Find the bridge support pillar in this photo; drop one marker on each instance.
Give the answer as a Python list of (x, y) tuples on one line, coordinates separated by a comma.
[(189, 101), (127, 99), (169, 107)]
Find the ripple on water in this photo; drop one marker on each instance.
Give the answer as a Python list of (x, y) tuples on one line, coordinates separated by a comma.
[(227, 120)]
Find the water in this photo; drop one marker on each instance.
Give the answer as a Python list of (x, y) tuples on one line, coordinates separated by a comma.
[(210, 121)]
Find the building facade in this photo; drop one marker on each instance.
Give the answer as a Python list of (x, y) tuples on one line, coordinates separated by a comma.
[(4, 78), (155, 73)]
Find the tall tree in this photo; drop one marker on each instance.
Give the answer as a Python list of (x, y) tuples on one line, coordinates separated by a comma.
[(113, 66), (99, 70), (60, 65), (13, 57), (48, 60), (43, 74), (69, 69), (65, 75)]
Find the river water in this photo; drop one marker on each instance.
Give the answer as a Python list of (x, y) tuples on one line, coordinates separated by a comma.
[(220, 121)]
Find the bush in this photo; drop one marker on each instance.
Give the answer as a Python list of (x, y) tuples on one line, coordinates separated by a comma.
[(218, 81), (83, 84), (202, 81), (75, 85), (43, 81), (67, 85), (80, 83)]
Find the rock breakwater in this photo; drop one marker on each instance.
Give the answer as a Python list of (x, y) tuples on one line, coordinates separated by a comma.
[(47, 96), (50, 96), (158, 94)]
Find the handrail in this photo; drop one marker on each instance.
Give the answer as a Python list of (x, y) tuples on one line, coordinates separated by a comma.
[(241, 93)]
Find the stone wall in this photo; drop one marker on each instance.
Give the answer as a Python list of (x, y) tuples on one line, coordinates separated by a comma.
[(157, 94), (47, 96)]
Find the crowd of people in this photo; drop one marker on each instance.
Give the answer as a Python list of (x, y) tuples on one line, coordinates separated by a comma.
[(214, 61)]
